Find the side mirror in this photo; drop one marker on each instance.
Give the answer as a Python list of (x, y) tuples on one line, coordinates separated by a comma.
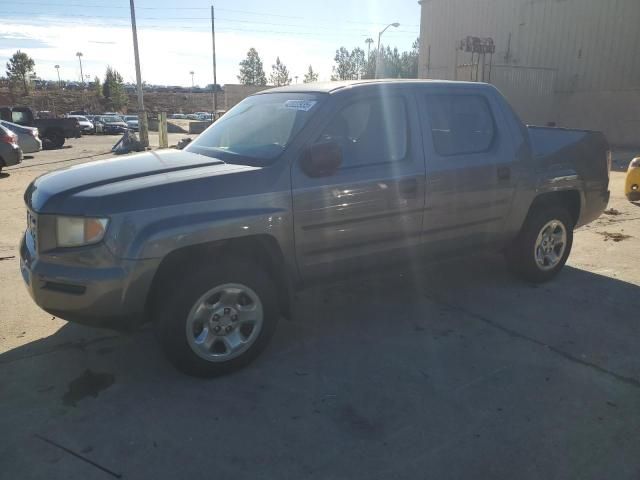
[(321, 159)]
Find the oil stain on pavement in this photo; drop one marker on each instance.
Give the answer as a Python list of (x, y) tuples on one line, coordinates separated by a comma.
[(87, 384)]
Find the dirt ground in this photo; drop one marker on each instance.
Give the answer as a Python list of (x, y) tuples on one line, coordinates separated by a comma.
[(455, 370)]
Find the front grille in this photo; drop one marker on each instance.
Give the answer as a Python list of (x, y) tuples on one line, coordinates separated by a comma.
[(32, 227)]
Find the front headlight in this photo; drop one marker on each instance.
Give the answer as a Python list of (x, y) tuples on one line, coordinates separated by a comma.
[(635, 163), (78, 231)]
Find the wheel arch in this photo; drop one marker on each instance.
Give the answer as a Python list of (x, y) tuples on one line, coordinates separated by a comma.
[(570, 199), (264, 250)]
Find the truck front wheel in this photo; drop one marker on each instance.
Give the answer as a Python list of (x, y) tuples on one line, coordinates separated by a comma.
[(543, 246), (217, 319)]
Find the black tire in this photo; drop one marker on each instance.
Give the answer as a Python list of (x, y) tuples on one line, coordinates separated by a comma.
[(55, 139), (521, 256), (176, 301)]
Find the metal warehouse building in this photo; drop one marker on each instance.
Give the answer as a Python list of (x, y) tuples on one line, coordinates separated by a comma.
[(573, 63)]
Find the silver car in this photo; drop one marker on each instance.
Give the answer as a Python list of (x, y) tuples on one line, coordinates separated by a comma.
[(28, 137), (10, 151), (86, 126), (132, 122)]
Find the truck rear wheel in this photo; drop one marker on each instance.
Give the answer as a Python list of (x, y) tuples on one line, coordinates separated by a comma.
[(218, 318), (54, 139), (543, 246)]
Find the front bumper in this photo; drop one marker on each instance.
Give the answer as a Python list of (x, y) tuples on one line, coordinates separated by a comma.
[(113, 130), (32, 146), (632, 184), (13, 157), (111, 296)]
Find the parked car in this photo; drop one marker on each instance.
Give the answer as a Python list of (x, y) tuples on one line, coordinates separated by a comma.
[(86, 126), (95, 120), (177, 116), (632, 182), (299, 183), (10, 152), (112, 124), (53, 131), (132, 122), (28, 138)]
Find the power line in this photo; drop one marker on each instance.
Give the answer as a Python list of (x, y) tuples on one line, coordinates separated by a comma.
[(203, 29), (203, 19), (245, 12), (124, 24)]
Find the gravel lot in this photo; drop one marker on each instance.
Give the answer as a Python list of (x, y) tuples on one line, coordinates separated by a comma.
[(455, 370)]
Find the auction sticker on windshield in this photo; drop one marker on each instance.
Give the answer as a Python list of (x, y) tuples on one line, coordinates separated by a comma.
[(302, 105)]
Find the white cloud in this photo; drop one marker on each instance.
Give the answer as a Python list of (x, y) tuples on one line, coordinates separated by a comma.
[(167, 55)]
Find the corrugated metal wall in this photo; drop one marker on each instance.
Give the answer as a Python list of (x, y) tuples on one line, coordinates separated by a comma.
[(530, 90), (593, 44)]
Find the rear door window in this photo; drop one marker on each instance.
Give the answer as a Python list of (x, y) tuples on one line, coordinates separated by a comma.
[(460, 124)]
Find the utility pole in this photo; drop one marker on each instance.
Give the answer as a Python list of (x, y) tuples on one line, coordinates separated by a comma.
[(215, 78), (79, 55), (142, 116), (57, 67)]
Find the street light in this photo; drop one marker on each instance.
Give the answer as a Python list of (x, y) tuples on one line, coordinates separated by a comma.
[(79, 55), (57, 67), (394, 25), (192, 73)]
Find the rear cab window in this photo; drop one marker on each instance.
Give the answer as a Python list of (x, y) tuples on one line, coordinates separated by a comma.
[(460, 124), (19, 117)]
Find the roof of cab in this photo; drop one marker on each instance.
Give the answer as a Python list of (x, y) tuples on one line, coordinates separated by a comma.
[(330, 87)]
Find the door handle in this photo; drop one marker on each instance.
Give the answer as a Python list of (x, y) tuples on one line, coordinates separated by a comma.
[(504, 173), (408, 187)]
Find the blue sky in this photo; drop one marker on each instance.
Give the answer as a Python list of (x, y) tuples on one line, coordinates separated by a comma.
[(176, 40)]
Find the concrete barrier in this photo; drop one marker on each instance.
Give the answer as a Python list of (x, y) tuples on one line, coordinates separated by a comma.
[(198, 127)]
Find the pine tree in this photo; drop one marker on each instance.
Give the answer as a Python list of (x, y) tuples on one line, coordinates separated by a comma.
[(310, 76), (279, 74), (113, 89), (19, 68), (251, 70)]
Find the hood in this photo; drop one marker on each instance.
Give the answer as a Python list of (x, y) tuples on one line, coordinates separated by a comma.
[(146, 180)]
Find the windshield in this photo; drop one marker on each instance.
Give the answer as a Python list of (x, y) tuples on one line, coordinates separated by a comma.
[(111, 119), (129, 118), (258, 129), (79, 117)]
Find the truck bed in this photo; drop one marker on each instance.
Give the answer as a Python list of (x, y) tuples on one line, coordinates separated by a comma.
[(578, 156)]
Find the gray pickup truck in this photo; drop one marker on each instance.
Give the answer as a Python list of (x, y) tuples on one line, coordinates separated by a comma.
[(296, 183)]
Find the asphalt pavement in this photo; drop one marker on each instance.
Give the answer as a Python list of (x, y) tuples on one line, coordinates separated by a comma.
[(446, 371)]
